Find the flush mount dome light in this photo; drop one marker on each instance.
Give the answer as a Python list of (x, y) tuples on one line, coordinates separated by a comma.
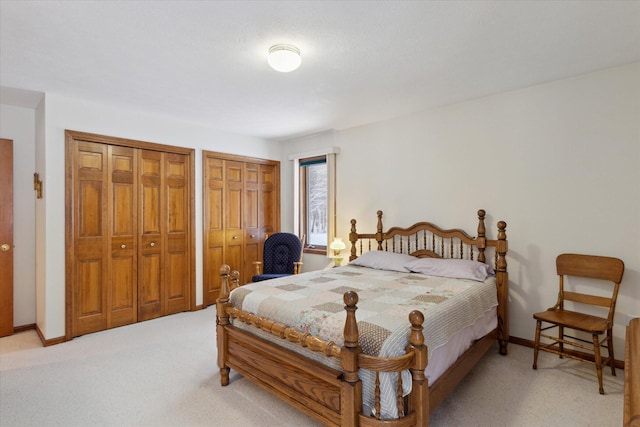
[(284, 57)]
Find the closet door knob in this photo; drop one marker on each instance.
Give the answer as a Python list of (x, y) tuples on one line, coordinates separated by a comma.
[(152, 244), (252, 236), (235, 237), (5, 247), (123, 246)]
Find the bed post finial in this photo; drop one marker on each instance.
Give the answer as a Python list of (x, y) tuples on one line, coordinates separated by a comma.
[(353, 238), (235, 280), (379, 235), (482, 236), (350, 327)]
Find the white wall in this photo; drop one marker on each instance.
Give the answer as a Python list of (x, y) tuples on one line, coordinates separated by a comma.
[(18, 124), (559, 162), (63, 113)]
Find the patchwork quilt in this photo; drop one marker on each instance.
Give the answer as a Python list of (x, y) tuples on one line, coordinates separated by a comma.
[(313, 302)]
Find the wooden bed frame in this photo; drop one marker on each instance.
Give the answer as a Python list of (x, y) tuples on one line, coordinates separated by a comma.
[(335, 396)]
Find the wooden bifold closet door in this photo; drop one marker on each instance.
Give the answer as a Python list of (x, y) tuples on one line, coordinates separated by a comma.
[(241, 209), (129, 232)]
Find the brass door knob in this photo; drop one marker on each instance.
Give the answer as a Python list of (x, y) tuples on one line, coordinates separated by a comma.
[(123, 246), (5, 247), (235, 237), (152, 244)]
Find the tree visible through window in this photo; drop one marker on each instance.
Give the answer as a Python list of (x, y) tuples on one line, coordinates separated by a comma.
[(314, 182)]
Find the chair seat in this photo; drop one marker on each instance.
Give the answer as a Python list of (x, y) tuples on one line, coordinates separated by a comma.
[(574, 320)]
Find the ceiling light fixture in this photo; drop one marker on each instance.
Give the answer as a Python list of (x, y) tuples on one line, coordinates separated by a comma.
[(284, 57)]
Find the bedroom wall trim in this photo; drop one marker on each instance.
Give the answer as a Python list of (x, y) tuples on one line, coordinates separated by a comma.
[(48, 342), (23, 328)]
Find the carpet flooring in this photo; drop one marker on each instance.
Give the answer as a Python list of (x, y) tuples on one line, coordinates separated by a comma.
[(163, 373)]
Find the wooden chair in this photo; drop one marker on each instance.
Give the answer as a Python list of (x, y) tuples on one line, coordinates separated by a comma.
[(590, 266), (282, 256)]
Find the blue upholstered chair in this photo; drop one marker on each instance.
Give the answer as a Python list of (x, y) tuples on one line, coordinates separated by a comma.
[(282, 256)]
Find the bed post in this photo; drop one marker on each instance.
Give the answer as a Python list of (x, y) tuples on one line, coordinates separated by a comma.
[(379, 234), (351, 395), (482, 236), (420, 387), (222, 320), (353, 238), (502, 282)]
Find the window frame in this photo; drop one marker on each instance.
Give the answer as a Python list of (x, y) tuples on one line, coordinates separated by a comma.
[(300, 195), (304, 199)]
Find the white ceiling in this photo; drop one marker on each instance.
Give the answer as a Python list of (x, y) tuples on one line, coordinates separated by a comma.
[(362, 61)]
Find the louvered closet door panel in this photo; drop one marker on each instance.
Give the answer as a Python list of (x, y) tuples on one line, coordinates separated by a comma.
[(234, 217), (213, 228), (177, 275), (123, 262), (252, 247), (151, 260), (90, 268)]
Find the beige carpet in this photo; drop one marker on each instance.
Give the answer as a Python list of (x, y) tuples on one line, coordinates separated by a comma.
[(163, 373)]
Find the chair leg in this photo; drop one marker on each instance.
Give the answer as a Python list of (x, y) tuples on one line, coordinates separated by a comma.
[(612, 361), (536, 344), (598, 360), (561, 337)]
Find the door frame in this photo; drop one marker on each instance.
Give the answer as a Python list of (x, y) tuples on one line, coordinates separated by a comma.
[(72, 136)]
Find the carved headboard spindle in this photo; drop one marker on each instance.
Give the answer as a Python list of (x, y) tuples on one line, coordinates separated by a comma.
[(424, 239)]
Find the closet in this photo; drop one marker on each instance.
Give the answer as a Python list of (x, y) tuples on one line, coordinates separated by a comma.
[(129, 231), (241, 209)]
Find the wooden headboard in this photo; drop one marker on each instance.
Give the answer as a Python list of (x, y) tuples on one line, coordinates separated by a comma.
[(425, 239)]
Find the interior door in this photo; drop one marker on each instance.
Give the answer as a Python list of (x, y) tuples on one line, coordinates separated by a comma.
[(269, 201), (123, 260), (90, 269), (150, 277), (176, 218), (234, 230), (6, 237), (213, 170), (252, 219)]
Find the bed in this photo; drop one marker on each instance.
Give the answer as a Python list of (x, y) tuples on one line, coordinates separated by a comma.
[(339, 370)]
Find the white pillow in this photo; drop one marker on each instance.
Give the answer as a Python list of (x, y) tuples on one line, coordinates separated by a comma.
[(382, 260), (448, 267)]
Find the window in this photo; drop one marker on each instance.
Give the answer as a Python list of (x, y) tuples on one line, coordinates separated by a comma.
[(314, 182), (314, 203)]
